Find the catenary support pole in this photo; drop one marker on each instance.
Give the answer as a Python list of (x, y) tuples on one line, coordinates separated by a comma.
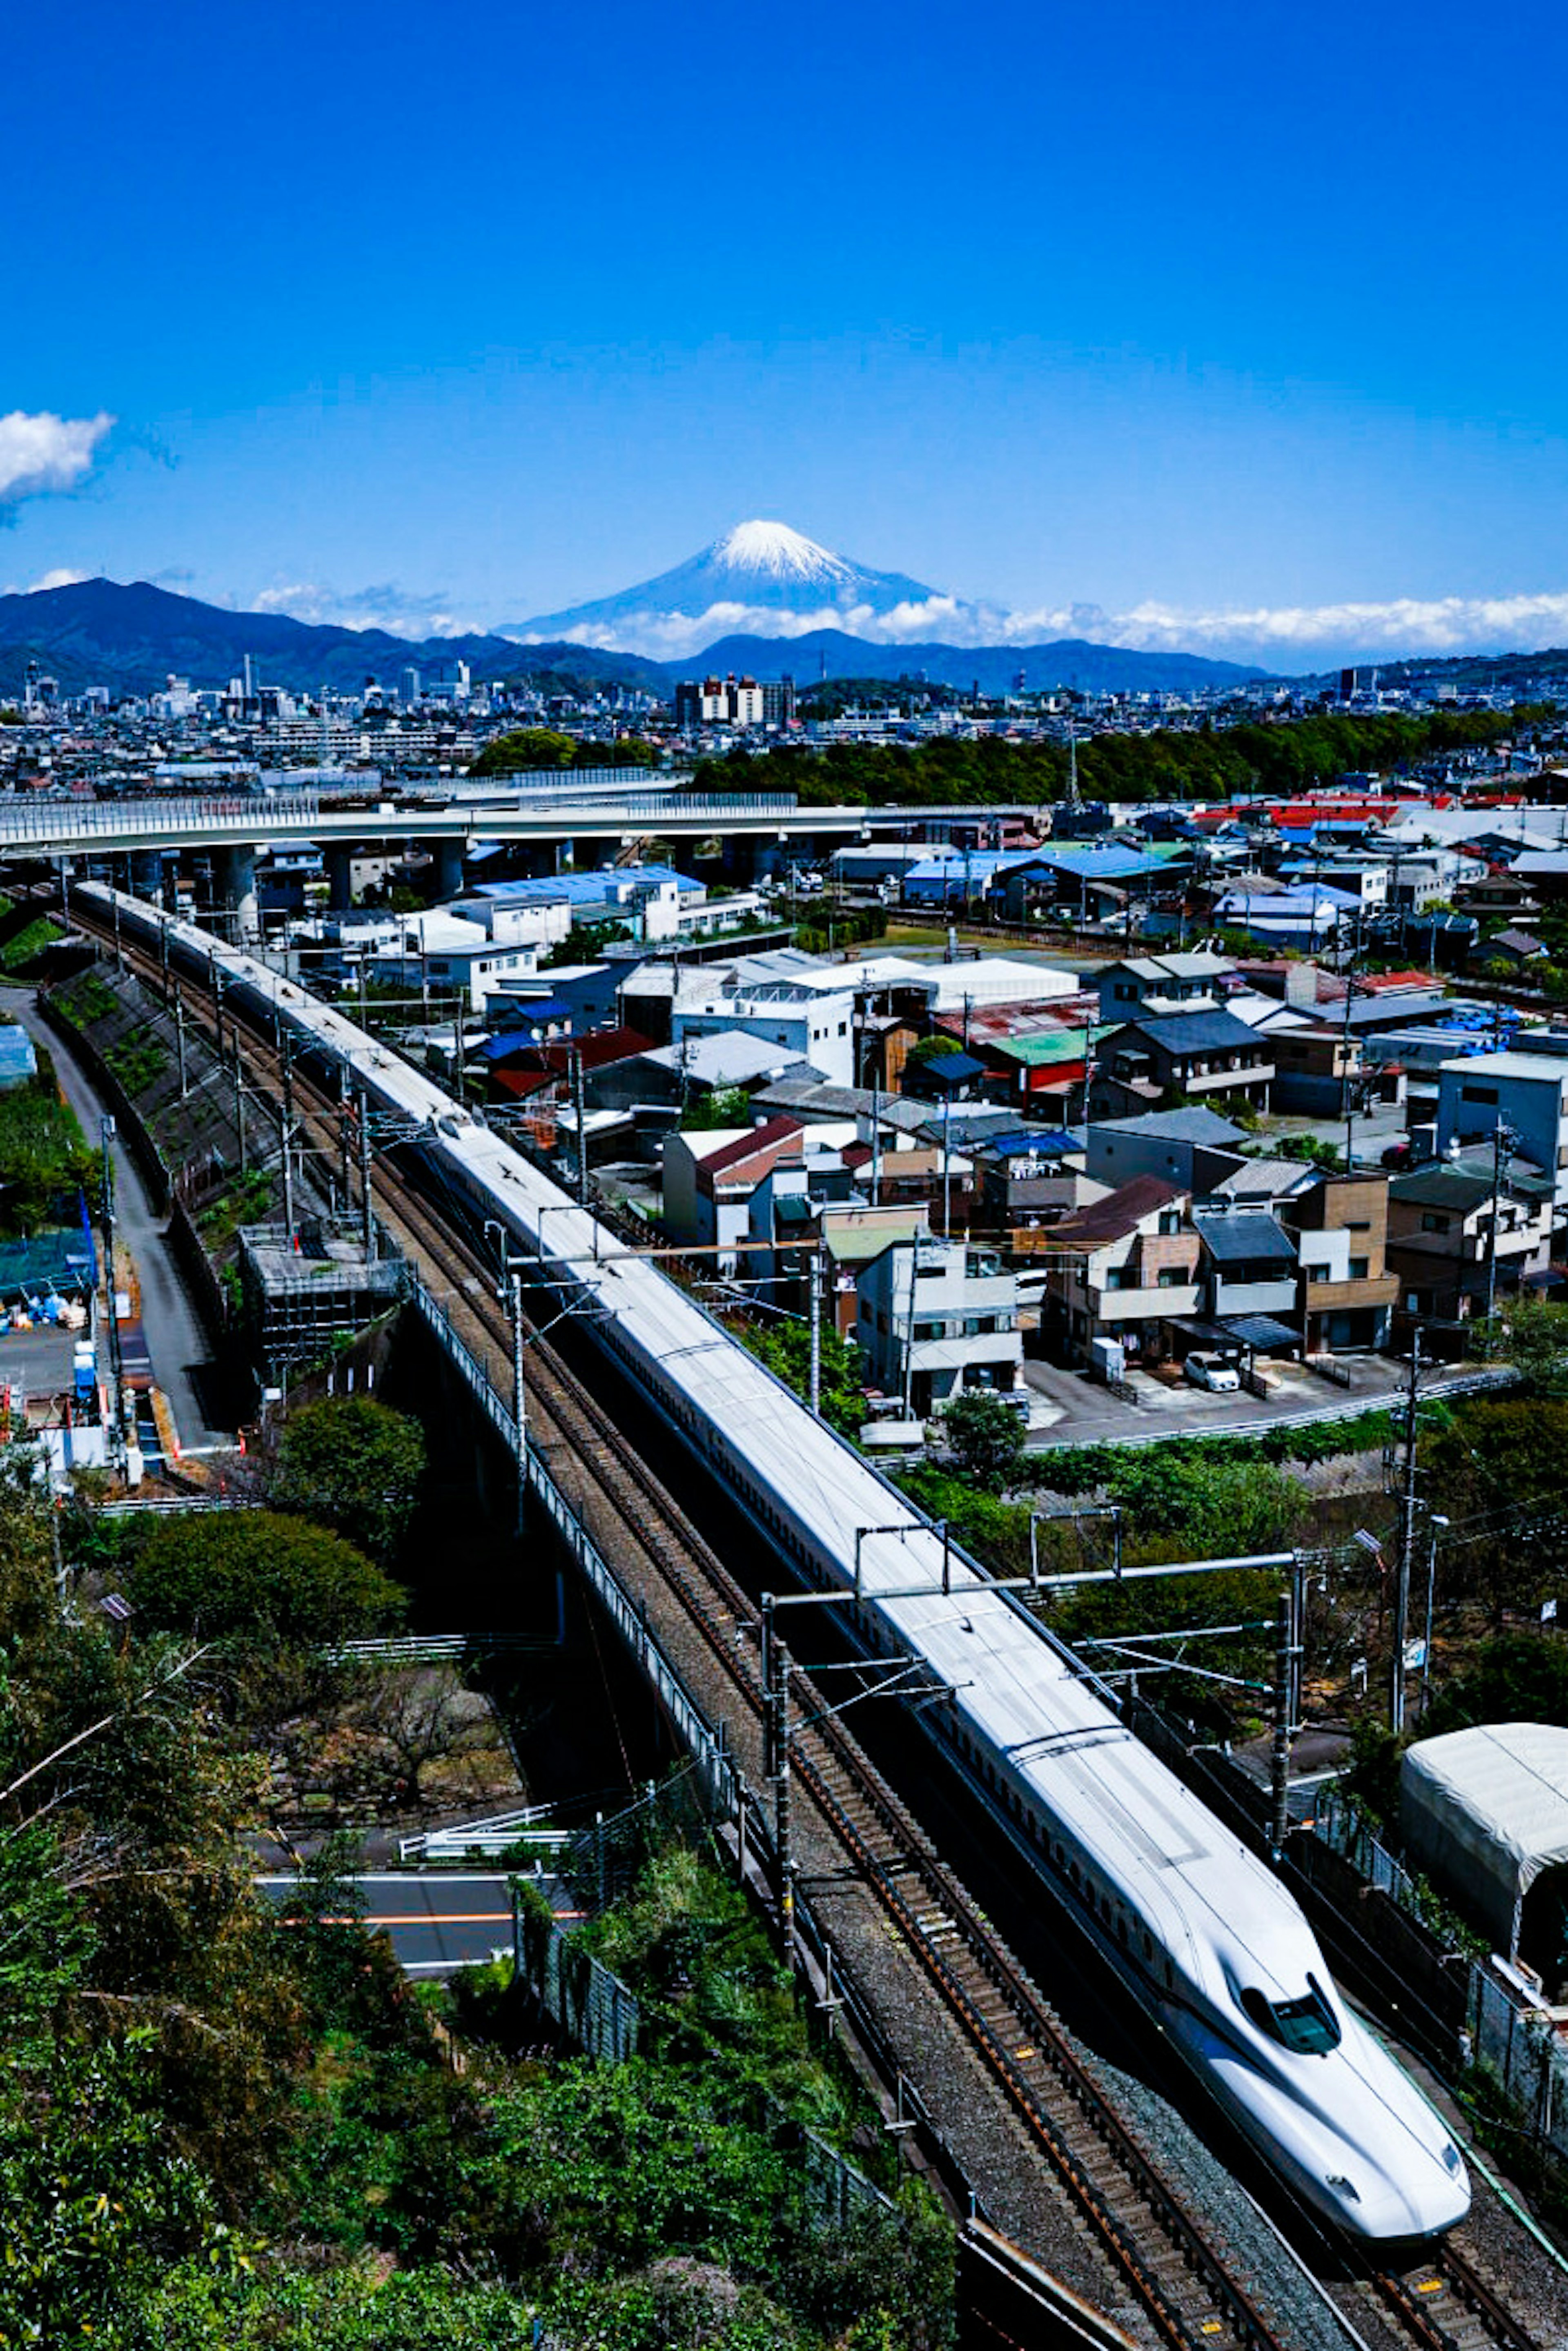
[(367, 1213), (519, 1394), (815, 1278), (1280, 1753), (1407, 1506)]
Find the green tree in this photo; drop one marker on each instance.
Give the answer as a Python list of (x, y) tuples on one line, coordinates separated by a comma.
[(786, 1349), (1517, 1678), (354, 1466), (934, 1048), (724, 1106), (259, 1574), (525, 748), (1533, 1335), (984, 1437)]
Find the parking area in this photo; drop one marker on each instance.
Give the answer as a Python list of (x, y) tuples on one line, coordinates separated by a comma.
[(1068, 1407)]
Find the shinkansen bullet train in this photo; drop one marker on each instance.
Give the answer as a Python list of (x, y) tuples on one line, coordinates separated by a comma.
[(1205, 1936)]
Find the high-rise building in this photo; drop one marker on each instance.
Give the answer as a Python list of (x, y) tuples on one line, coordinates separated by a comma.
[(722, 701)]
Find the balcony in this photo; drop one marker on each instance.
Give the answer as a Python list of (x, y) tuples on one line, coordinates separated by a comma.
[(1139, 1305), (1331, 1297)]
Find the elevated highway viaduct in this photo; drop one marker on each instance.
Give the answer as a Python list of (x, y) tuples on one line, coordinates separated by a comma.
[(234, 830)]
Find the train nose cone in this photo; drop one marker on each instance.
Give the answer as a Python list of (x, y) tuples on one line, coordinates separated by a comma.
[(1372, 2204)]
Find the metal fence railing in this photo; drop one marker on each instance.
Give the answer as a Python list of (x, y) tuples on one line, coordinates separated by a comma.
[(1514, 2037), (592, 2006)]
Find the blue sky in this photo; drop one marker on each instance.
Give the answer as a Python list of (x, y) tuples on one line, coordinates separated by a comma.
[(1213, 320)]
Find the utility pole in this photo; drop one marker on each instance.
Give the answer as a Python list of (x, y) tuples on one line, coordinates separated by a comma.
[(876, 1137), (1407, 1505), (239, 1112), (581, 1116), (286, 1136), (346, 1151), (367, 1216), (947, 1168), (816, 1319), (1500, 1132), (106, 1131), (180, 1037)]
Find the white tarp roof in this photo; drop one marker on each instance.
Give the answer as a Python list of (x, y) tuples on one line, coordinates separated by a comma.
[(1486, 1811)]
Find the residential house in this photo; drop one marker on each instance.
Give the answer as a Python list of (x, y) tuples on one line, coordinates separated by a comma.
[(1250, 1284), (1118, 1270), (937, 1317), (811, 1025), (1439, 1234), (1148, 986), (1032, 1177), (1346, 1292), (1515, 947), (1193, 1148), (710, 1178), (1208, 1055), (1030, 1055), (521, 1063)]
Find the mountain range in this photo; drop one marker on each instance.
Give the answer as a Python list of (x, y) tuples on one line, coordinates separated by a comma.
[(132, 637), (760, 577)]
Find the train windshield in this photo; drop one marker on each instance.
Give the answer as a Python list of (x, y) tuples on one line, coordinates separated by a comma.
[(1307, 2025)]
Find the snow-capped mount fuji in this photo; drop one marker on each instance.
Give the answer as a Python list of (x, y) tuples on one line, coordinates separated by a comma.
[(761, 577)]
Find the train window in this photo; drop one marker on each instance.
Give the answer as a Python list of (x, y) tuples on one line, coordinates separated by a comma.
[(1307, 2025)]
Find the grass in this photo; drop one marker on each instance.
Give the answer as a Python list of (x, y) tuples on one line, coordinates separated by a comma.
[(86, 999), (28, 943), (137, 1060)]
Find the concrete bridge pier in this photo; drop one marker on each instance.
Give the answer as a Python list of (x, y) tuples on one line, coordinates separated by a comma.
[(236, 877), (339, 880), (147, 875), (448, 859)]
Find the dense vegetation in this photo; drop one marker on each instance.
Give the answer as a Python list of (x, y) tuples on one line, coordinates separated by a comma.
[(226, 2122), (1206, 763), (43, 1159), (532, 747)]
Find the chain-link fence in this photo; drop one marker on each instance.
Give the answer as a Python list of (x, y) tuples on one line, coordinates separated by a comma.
[(602, 1861)]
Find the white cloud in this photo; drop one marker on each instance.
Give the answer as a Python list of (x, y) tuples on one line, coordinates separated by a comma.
[(45, 453), (62, 576), (1286, 637), (383, 606)]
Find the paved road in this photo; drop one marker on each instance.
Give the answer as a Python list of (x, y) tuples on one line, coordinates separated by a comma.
[(438, 1919), (176, 1340)]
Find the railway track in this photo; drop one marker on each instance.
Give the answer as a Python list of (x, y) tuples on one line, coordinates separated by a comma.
[(1155, 2253), (1446, 2305)]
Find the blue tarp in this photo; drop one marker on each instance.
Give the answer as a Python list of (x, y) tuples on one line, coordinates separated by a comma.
[(18, 1061)]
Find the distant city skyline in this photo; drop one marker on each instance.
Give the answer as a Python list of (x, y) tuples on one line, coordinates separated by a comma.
[(1168, 331)]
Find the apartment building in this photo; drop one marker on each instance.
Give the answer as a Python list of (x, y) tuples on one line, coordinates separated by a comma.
[(934, 1318)]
